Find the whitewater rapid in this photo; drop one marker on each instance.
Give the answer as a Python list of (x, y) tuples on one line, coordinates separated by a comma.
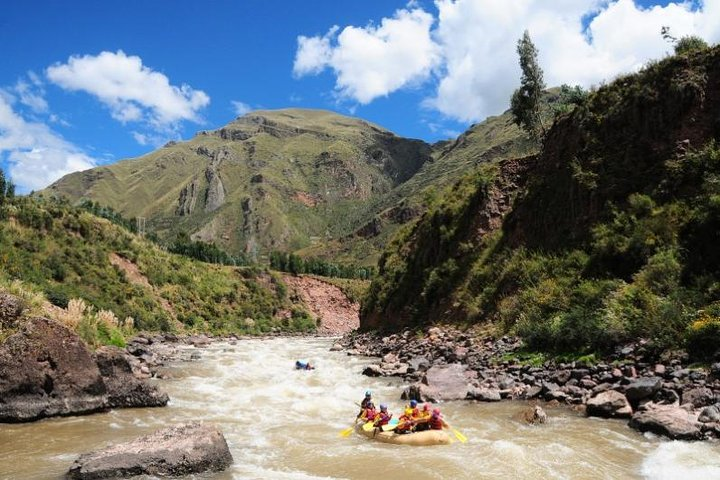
[(282, 423)]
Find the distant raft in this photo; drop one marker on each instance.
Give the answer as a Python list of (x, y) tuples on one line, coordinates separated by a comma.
[(416, 439)]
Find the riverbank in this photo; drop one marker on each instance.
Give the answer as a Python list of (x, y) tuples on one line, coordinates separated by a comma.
[(269, 413), (664, 395)]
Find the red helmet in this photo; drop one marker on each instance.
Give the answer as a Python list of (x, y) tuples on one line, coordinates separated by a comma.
[(426, 407), (436, 411)]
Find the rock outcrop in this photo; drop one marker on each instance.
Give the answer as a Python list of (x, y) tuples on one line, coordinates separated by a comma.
[(46, 370), (671, 421), (124, 389), (180, 450)]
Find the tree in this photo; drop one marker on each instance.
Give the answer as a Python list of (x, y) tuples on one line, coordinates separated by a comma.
[(686, 44), (525, 103), (7, 188)]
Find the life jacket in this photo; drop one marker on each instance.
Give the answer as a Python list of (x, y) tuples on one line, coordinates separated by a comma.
[(405, 424), (436, 422), (365, 401), (369, 414), (415, 413), (382, 418)]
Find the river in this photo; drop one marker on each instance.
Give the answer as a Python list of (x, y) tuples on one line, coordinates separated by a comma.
[(283, 424)]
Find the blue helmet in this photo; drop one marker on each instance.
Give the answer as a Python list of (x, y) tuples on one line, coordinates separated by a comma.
[(413, 403), (368, 393), (383, 407)]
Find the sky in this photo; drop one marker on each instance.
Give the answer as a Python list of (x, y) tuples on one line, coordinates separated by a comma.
[(85, 83)]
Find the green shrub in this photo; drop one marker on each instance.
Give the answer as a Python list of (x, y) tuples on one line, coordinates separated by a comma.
[(703, 336)]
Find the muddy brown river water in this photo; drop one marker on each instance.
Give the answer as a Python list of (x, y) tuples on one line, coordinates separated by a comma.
[(284, 424)]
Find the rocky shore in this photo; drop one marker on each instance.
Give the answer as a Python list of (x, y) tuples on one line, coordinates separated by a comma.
[(662, 395)]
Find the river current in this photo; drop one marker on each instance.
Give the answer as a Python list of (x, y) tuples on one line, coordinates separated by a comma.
[(284, 424)]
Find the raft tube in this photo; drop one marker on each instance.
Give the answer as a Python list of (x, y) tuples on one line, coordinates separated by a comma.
[(426, 437)]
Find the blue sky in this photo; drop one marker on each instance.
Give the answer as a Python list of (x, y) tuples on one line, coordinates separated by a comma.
[(85, 83)]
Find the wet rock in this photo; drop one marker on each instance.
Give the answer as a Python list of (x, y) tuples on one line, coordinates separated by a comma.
[(485, 395), (448, 382), (181, 450), (698, 397), (666, 420), (643, 388), (124, 389), (373, 370), (46, 370), (534, 415), (609, 404), (532, 392), (667, 396), (710, 414), (336, 347)]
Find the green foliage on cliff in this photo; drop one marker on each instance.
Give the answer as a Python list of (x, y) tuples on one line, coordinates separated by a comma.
[(66, 253), (614, 237)]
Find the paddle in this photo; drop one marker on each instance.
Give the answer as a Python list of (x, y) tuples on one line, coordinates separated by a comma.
[(369, 426), (458, 435), (347, 431), (392, 425)]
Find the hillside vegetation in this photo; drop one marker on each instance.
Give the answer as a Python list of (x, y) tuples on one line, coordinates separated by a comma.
[(309, 182), (270, 180), (61, 252), (609, 234)]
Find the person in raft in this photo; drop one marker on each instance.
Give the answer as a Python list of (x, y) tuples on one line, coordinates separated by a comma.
[(303, 365), (406, 422), (364, 403), (369, 413), (383, 417), (436, 420), (423, 418)]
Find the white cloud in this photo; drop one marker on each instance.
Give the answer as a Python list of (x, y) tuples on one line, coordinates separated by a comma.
[(132, 91), (240, 108), (36, 155), (373, 61), (471, 50)]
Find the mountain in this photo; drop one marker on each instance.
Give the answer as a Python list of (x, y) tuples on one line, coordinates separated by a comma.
[(310, 181), (270, 180), (610, 233)]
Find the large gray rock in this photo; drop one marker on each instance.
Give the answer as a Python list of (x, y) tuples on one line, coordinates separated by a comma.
[(698, 397), (46, 370), (643, 388), (608, 404), (667, 420), (486, 394), (181, 450), (710, 414), (448, 382), (124, 389)]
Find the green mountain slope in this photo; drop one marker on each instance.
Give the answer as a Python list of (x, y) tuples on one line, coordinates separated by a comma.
[(67, 253), (271, 180), (609, 234)]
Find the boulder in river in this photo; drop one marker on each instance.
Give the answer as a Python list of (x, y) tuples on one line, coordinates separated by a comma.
[(667, 420), (124, 389), (181, 450), (710, 414), (46, 370), (609, 404), (449, 382)]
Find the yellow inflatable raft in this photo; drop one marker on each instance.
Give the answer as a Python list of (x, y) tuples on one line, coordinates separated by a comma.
[(427, 437)]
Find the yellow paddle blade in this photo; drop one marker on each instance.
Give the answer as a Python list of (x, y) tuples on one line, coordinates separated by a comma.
[(368, 426), (459, 436), (347, 432), (388, 427)]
